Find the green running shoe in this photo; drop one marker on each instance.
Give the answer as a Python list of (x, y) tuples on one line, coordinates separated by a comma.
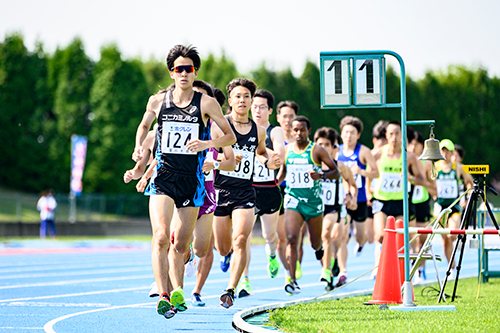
[(244, 288), (177, 299), (326, 276), (273, 266)]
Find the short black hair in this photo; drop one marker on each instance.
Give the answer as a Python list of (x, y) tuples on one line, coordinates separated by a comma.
[(378, 131), (290, 104), (267, 95), (353, 121), (327, 133), (219, 96), (183, 51), (205, 86), (460, 150), (303, 119), (249, 84)]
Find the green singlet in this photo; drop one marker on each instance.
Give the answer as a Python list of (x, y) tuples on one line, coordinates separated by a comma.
[(390, 183)]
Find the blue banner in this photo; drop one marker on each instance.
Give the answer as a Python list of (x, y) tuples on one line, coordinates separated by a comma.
[(78, 153)]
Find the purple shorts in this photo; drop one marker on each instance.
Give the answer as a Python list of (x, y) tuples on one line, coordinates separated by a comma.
[(210, 200)]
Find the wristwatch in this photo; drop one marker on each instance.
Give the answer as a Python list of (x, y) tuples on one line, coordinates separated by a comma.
[(323, 176), (216, 165)]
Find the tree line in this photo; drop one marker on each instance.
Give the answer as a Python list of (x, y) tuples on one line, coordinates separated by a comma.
[(46, 98)]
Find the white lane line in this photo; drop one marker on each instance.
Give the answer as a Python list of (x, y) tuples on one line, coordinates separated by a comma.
[(49, 326), (73, 295), (60, 283), (21, 328), (73, 273), (27, 267)]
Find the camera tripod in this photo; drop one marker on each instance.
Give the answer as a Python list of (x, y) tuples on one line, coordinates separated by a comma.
[(469, 219)]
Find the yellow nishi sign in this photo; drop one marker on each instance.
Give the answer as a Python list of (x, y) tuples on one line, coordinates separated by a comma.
[(476, 169)]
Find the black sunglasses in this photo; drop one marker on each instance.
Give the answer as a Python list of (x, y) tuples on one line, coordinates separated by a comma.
[(180, 69)]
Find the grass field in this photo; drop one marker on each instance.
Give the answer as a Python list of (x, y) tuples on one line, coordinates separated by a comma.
[(474, 314)]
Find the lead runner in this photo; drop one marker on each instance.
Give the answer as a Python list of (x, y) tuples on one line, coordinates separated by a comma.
[(183, 132)]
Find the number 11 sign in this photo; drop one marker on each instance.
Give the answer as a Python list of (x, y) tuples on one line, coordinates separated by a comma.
[(367, 87)]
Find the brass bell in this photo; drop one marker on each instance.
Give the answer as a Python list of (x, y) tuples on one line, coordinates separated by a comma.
[(432, 152), (431, 149)]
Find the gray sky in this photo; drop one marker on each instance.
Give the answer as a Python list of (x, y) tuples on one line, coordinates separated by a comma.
[(428, 34)]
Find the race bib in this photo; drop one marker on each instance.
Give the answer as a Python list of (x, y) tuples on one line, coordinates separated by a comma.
[(418, 193), (447, 188), (391, 183), (261, 173), (297, 176), (209, 175), (329, 193), (244, 169), (290, 202), (176, 135), (357, 177)]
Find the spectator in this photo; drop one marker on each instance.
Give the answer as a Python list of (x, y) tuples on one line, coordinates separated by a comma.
[(47, 205)]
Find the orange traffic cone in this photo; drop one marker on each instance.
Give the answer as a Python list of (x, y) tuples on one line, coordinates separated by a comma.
[(387, 288), (400, 243)]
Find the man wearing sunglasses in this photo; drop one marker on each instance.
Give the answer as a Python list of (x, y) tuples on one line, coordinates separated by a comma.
[(183, 138)]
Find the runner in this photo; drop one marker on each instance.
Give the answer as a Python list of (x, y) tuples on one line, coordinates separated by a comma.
[(378, 140), (357, 157), (268, 195), (336, 195), (234, 215), (421, 198), (389, 190), (286, 111), (206, 214), (447, 183), (303, 202), (183, 116)]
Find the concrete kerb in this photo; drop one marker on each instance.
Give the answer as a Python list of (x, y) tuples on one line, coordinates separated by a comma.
[(241, 325)]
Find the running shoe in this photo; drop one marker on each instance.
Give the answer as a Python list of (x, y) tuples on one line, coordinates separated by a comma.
[(196, 300), (164, 307), (225, 262), (244, 288), (319, 253), (154, 290), (335, 268), (227, 298), (326, 276), (298, 271), (292, 288), (358, 249), (177, 299), (273, 266), (342, 281), (288, 280)]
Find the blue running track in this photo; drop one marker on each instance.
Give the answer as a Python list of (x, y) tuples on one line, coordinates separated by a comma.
[(102, 286)]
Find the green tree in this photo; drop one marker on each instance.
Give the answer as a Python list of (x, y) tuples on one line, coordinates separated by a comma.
[(118, 98), (23, 107), (69, 81)]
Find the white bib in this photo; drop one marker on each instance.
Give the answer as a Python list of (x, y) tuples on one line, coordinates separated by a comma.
[(244, 169), (297, 176), (176, 135)]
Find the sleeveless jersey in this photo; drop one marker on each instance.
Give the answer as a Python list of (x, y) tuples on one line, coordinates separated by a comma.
[(447, 186), (262, 175), (176, 126), (420, 193), (241, 177), (390, 183), (332, 191), (350, 161), (299, 183)]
